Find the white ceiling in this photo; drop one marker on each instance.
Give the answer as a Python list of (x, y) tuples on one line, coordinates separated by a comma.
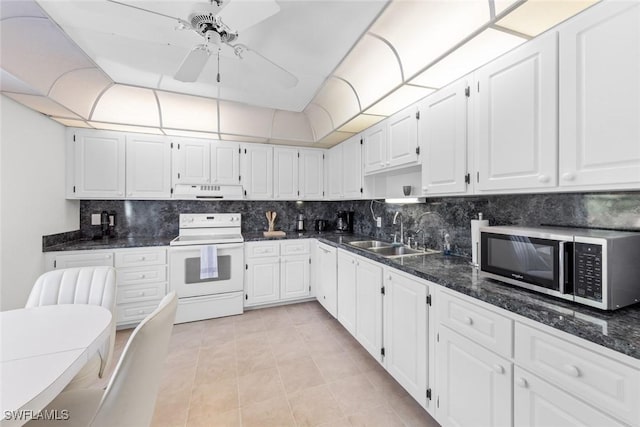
[(308, 38)]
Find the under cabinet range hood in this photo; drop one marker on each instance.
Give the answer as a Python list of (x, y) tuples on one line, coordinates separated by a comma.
[(207, 192)]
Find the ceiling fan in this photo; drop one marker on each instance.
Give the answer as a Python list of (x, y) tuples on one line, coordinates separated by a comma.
[(214, 21)]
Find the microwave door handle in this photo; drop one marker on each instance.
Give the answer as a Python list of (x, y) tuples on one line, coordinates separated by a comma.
[(561, 266)]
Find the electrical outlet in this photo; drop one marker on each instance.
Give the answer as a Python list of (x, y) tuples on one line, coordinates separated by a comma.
[(95, 219), (379, 221)]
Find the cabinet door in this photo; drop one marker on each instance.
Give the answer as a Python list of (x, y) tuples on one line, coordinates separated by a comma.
[(262, 281), (99, 165), (375, 148), (369, 306), (402, 138), (328, 278), (474, 384), (257, 171), (191, 161), (539, 404), (352, 168), (148, 167), (311, 174), (334, 173), (517, 135), (347, 291), (443, 140), (294, 277), (225, 163), (405, 333), (285, 173), (599, 91)]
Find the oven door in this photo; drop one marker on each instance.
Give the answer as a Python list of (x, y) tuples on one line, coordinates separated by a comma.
[(184, 267), (530, 262)]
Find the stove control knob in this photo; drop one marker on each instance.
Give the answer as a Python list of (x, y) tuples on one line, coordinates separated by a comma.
[(232, 219)]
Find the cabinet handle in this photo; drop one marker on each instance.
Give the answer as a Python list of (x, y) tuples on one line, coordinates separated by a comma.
[(571, 370), (468, 320), (390, 277), (141, 294), (499, 369), (543, 178), (568, 176), (353, 261), (142, 276), (357, 263), (120, 193), (142, 258), (521, 382)]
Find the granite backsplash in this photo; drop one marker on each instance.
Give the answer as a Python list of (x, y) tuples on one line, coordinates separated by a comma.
[(159, 218)]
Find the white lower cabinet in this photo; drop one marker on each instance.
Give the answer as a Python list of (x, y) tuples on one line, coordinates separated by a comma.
[(405, 333), (539, 404), (327, 278), (141, 277), (473, 383), (360, 300), (276, 271)]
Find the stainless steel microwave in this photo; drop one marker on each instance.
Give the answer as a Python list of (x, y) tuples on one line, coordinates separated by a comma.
[(598, 268)]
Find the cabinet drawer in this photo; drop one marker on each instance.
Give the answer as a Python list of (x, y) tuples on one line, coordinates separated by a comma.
[(139, 293), (605, 383), (85, 259), (138, 275), (134, 313), (262, 249), (483, 326), (295, 247), (141, 257)]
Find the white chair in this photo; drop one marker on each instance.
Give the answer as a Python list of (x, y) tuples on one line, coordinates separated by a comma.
[(130, 397), (83, 285)]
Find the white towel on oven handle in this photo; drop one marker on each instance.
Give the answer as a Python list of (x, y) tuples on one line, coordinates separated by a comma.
[(209, 262)]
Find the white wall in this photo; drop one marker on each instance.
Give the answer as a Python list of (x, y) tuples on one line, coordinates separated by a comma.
[(32, 197)]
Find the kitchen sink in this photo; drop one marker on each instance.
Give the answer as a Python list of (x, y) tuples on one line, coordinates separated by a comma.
[(389, 250), (369, 244)]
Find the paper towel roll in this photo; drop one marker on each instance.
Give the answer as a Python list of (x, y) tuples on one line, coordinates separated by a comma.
[(475, 238)]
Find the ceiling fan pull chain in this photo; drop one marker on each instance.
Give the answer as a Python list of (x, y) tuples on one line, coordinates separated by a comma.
[(218, 77)]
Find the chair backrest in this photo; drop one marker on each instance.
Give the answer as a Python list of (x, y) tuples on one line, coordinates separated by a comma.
[(130, 397), (81, 285)]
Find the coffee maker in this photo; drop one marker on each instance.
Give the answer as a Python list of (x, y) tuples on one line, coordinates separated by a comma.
[(300, 223), (344, 222)]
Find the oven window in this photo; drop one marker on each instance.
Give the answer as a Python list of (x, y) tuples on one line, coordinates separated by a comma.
[(526, 259), (192, 270)]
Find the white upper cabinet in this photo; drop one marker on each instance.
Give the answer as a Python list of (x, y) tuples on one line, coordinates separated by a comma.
[(334, 171), (285, 173), (402, 138), (352, 168), (311, 174), (599, 98), (99, 165), (392, 143), (191, 161), (257, 171), (225, 163), (375, 148), (517, 111), (443, 140), (148, 170)]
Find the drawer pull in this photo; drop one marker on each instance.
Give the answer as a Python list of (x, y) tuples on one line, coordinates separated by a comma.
[(468, 321), (572, 370), (499, 369), (521, 382), (141, 294), (142, 276), (142, 258)]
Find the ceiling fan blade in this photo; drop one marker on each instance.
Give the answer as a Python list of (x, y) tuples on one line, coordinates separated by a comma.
[(145, 10), (270, 69), (193, 64), (242, 14)]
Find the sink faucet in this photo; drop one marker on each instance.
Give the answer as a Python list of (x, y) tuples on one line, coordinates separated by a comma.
[(395, 221)]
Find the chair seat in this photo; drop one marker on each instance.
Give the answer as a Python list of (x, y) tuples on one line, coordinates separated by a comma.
[(80, 407)]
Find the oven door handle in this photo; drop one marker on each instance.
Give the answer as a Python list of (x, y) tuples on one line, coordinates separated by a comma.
[(221, 247)]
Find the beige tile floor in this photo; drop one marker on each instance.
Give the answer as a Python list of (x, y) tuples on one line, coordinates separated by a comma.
[(292, 365)]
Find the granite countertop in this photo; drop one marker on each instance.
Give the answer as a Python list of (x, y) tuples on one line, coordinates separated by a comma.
[(618, 330), (109, 243)]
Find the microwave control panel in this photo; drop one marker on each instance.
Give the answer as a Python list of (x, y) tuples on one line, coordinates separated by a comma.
[(588, 271)]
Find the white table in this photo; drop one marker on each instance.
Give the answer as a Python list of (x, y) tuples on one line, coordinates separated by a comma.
[(42, 349)]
